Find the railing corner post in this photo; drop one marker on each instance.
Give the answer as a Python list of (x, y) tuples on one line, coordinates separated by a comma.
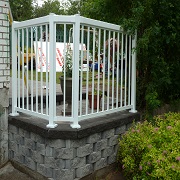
[(52, 78), (14, 73), (133, 82), (75, 75)]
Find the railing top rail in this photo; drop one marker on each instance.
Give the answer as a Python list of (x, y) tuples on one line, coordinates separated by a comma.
[(44, 20), (31, 22), (100, 24), (65, 19)]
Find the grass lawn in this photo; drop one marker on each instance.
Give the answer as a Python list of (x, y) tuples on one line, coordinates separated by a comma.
[(58, 74)]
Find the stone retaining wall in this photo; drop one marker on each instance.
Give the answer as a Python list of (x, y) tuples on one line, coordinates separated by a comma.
[(72, 155)]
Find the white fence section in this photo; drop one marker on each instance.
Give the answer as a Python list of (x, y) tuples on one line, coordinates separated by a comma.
[(103, 65)]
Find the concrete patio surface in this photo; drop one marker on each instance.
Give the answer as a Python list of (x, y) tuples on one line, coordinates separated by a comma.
[(10, 172)]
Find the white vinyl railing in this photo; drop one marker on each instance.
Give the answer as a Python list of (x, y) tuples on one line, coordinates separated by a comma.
[(103, 64)]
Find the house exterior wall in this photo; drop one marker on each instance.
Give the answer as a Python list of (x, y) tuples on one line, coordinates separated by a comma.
[(4, 80)]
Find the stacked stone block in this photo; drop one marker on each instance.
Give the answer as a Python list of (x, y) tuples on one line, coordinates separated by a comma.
[(64, 159)]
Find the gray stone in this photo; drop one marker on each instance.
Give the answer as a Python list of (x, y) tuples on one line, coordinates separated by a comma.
[(50, 162), (17, 157), (85, 150), (60, 163), (22, 150), (65, 159), (116, 147), (39, 158), (78, 162), (83, 171), (22, 132), (11, 136), (58, 143), (111, 159), (30, 163), (33, 136), (100, 164), (12, 145), (13, 129), (27, 134), (68, 143), (31, 144), (17, 149), (28, 152), (77, 143), (74, 152), (49, 172), (19, 139), (120, 130), (3, 130), (107, 152), (64, 153), (113, 140), (100, 145), (94, 138), (94, 157), (40, 148), (37, 138), (22, 158), (68, 164), (49, 151), (108, 133), (41, 169), (11, 154)]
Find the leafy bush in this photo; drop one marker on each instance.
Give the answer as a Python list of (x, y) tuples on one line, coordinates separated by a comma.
[(149, 151)]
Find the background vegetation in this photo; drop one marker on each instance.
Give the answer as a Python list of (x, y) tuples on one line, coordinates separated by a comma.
[(158, 61), (158, 48)]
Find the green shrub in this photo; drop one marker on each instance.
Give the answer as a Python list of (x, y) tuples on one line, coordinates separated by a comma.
[(149, 151)]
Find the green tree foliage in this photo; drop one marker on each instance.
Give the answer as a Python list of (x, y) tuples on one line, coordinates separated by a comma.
[(158, 48), (105, 10), (73, 7), (50, 6), (21, 10)]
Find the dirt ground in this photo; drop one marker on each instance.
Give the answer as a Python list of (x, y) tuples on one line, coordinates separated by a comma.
[(114, 176)]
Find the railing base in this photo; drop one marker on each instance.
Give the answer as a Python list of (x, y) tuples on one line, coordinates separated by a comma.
[(51, 125), (14, 114), (75, 125), (133, 111)]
